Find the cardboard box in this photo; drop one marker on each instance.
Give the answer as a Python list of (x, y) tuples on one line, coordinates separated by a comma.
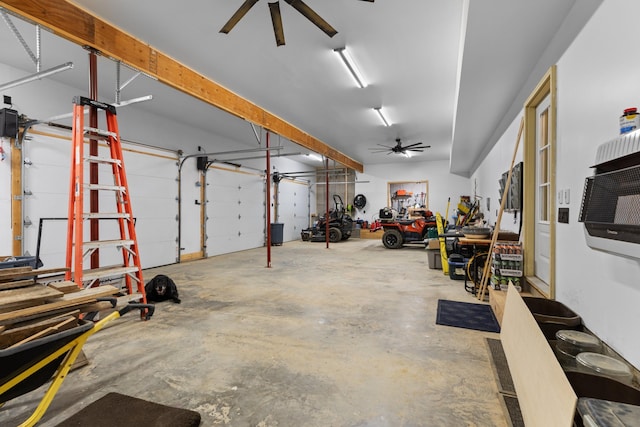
[(434, 261), (433, 244)]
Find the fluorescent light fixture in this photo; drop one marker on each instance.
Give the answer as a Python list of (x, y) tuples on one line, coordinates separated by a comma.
[(382, 116), (351, 66), (315, 157), (37, 76)]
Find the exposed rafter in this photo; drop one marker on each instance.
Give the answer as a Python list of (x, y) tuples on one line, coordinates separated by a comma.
[(82, 28)]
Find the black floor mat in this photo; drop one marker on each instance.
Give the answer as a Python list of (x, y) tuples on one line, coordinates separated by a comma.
[(466, 315)]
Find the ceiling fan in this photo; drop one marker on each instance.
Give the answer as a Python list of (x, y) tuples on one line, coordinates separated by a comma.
[(399, 148), (276, 18)]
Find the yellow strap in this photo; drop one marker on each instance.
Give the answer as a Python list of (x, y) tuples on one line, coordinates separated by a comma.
[(443, 245)]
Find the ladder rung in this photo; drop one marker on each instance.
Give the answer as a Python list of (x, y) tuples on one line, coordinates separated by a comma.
[(104, 215), (96, 159), (105, 187), (100, 132), (106, 243), (99, 273)]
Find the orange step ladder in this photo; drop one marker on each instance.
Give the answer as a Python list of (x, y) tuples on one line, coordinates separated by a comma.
[(77, 248)]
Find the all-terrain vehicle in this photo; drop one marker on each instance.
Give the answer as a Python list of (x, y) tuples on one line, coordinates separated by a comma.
[(398, 233), (340, 225)]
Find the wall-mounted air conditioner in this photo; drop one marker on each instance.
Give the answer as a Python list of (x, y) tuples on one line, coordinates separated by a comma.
[(610, 207)]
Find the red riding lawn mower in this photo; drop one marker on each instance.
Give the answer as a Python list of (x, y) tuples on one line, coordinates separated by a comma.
[(398, 233)]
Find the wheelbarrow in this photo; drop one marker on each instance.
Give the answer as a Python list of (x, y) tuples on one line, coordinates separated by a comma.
[(26, 367)]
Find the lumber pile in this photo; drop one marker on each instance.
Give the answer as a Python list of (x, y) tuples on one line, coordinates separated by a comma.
[(31, 310)]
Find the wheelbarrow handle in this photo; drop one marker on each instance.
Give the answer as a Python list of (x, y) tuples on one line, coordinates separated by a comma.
[(150, 308)]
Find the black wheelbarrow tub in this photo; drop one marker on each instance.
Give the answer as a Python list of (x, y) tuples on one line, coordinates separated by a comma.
[(15, 361)]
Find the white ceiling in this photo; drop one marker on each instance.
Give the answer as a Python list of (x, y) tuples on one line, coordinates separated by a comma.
[(449, 73)]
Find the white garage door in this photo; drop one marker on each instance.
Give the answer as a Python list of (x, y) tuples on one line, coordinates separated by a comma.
[(235, 210), (293, 208), (151, 175)]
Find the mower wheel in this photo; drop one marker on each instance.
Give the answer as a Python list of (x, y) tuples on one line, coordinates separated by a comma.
[(392, 239), (335, 235)]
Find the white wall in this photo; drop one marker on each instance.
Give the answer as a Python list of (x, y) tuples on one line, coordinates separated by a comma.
[(442, 185), (485, 179), (597, 79), (46, 98)]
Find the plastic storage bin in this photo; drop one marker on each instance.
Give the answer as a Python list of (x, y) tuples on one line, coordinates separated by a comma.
[(603, 365), (434, 260), (457, 264), (597, 387), (552, 316), (572, 343)]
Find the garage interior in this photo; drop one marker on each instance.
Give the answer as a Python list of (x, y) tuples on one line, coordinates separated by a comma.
[(238, 117)]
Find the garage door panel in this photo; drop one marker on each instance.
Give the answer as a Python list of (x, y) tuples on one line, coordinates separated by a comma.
[(151, 175), (235, 211), (293, 208)]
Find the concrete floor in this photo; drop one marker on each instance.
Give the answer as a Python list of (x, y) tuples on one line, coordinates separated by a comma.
[(344, 336)]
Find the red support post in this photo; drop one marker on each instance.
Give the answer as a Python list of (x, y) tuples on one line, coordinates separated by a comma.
[(326, 214), (268, 196)]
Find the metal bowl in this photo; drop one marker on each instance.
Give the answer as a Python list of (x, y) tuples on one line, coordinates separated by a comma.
[(476, 232)]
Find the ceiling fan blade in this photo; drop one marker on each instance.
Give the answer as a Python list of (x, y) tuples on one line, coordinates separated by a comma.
[(242, 10), (370, 1), (412, 145), (276, 20), (312, 16)]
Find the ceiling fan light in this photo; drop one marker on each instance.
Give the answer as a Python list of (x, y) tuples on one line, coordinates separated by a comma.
[(351, 66), (382, 116)]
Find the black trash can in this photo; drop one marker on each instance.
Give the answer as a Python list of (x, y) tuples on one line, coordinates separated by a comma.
[(277, 233)]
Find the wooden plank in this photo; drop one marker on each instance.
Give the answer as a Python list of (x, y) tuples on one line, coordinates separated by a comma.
[(16, 269), (14, 335), (66, 287), (5, 275), (35, 294), (98, 306), (61, 326), (16, 284), (545, 395), (487, 265), (86, 296), (16, 198), (75, 24), (97, 292), (44, 316)]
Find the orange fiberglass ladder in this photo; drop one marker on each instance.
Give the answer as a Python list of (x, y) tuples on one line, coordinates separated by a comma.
[(77, 248)]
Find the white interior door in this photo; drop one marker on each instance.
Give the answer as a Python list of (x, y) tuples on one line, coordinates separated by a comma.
[(544, 200), (235, 210)]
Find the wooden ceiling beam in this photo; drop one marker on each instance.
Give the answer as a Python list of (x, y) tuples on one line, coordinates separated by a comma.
[(79, 26)]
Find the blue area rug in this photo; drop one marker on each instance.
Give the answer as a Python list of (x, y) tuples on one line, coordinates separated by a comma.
[(466, 315)]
